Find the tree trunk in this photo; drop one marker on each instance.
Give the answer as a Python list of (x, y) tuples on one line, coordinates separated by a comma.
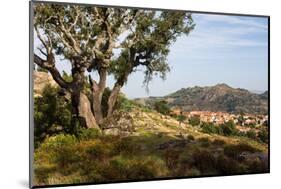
[(80, 102), (97, 98), (115, 91), (82, 110), (112, 98), (97, 90)]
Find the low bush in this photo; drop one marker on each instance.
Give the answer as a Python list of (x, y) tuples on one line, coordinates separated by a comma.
[(227, 165), (52, 114), (209, 128), (162, 107), (125, 146), (204, 161), (171, 157), (87, 134), (194, 120), (123, 168), (258, 166), (228, 128), (234, 151), (42, 172), (251, 134), (263, 136)]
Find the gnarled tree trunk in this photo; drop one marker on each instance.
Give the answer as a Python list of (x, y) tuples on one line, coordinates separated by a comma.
[(81, 107), (81, 104)]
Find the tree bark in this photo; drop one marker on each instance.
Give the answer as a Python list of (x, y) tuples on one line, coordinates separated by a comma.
[(113, 98), (115, 91), (97, 90), (81, 107)]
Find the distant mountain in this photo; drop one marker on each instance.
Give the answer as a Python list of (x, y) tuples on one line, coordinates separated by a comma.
[(256, 91), (220, 97)]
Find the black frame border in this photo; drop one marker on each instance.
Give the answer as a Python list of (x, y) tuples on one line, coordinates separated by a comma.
[(31, 115)]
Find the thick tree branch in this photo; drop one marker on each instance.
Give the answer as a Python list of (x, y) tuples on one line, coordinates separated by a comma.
[(53, 70), (44, 42), (67, 33)]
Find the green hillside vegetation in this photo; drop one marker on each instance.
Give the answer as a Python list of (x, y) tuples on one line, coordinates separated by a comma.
[(136, 142)]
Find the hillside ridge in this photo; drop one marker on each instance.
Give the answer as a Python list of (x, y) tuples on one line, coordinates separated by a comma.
[(220, 97)]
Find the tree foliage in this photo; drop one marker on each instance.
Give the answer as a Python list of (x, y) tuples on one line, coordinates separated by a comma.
[(162, 107), (209, 128), (194, 120), (52, 114)]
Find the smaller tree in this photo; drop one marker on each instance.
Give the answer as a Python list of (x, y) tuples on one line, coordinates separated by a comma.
[(162, 107), (52, 114), (194, 120), (263, 135), (228, 128), (209, 128), (252, 134)]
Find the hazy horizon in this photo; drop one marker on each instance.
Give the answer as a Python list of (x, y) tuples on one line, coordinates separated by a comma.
[(221, 49)]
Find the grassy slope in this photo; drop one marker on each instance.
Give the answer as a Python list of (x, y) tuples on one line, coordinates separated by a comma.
[(156, 147)]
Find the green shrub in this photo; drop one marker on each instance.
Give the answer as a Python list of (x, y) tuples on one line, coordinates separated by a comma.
[(251, 134), (204, 161), (87, 134), (98, 150), (125, 104), (209, 128), (263, 135), (181, 118), (227, 165), (162, 107), (257, 166), (234, 151), (171, 157), (52, 114), (42, 172), (124, 168), (228, 128), (60, 149), (184, 165), (58, 141), (126, 146), (194, 120)]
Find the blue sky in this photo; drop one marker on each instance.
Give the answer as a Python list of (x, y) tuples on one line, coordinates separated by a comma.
[(221, 49)]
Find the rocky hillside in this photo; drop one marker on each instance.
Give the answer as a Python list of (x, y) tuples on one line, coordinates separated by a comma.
[(220, 97), (40, 80)]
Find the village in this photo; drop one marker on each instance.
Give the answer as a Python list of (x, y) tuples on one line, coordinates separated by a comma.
[(243, 121)]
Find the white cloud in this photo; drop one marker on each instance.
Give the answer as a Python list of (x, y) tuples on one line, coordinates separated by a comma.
[(235, 20)]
